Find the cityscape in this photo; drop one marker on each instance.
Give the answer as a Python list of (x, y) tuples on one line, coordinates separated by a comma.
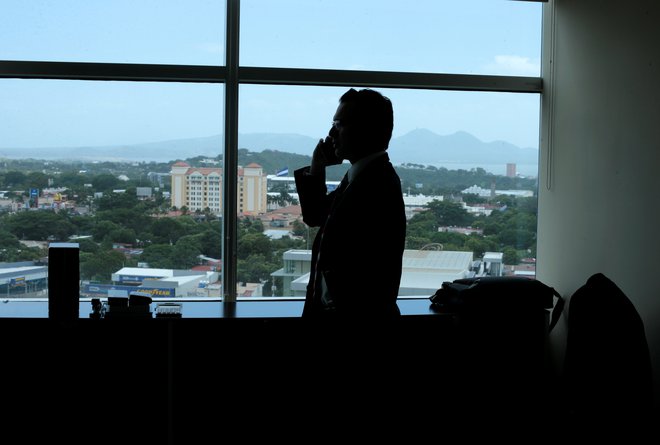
[(156, 227)]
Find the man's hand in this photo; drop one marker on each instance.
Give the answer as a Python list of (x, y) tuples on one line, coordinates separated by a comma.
[(324, 156)]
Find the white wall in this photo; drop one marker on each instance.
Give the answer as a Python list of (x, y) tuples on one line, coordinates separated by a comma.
[(599, 208)]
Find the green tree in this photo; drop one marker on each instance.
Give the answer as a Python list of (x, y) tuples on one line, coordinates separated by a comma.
[(106, 182), (416, 242), (450, 240), (510, 256), (103, 228), (517, 238), (37, 180), (190, 225), (422, 225), (114, 201), (250, 225), (449, 213), (130, 218), (255, 269), (70, 179), (8, 240), (39, 225), (479, 245), (253, 244), (299, 228), (210, 242), (158, 256), (15, 179), (492, 227), (84, 224), (87, 245), (185, 253), (529, 205), (167, 230), (473, 198), (16, 254), (123, 235), (100, 266)]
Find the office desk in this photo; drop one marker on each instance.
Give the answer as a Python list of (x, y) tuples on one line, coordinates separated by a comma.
[(222, 365)]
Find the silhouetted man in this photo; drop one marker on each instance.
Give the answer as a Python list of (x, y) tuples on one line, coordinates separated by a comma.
[(357, 253)]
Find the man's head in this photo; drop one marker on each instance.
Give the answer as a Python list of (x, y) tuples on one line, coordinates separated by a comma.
[(362, 124)]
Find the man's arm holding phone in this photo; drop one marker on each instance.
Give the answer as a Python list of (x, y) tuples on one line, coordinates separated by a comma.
[(310, 183), (323, 156)]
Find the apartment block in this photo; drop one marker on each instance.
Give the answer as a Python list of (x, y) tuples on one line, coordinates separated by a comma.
[(200, 187)]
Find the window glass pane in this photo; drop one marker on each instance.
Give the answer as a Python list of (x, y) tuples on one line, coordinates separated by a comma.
[(188, 32), (468, 162), (91, 162), (496, 37)]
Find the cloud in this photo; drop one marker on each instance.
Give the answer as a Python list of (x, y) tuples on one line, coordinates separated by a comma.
[(515, 65)]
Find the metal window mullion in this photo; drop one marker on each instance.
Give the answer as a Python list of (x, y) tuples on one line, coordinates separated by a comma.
[(230, 157), (389, 79), (111, 71), (262, 75), (547, 124)]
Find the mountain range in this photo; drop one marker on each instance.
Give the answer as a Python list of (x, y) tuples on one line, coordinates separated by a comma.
[(419, 146)]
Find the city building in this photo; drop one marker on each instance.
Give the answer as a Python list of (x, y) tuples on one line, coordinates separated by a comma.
[(295, 273), (489, 193), (511, 170), (159, 283), (414, 204), (492, 264), (158, 178), (280, 221), (144, 193), (23, 279), (199, 188), (423, 271)]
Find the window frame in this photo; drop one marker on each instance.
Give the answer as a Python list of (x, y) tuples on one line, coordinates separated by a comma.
[(232, 76)]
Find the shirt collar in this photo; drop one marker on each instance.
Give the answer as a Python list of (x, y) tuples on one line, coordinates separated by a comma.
[(361, 164)]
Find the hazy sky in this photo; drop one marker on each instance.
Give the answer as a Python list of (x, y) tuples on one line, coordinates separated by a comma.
[(499, 37)]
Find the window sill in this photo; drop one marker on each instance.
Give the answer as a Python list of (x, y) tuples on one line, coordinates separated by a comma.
[(196, 308)]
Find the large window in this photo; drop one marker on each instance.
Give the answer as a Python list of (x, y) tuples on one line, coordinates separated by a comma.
[(425, 36), (162, 136), (117, 31)]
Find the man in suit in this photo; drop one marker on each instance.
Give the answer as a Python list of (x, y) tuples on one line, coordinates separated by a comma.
[(357, 253)]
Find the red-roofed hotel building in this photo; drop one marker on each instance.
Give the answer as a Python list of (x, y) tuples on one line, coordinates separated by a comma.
[(200, 187)]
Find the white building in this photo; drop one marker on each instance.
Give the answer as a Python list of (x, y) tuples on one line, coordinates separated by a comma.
[(487, 193), (184, 283), (295, 273), (418, 203), (22, 278), (423, 271)]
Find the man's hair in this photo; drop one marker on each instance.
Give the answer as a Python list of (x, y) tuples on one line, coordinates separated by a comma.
[(373, 110)]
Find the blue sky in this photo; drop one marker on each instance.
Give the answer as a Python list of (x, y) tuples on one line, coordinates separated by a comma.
[(472, 37)]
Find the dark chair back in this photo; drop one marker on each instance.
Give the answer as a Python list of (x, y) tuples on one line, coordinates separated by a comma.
[(607, 368)]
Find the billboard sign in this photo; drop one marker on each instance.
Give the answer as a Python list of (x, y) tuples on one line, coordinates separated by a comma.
[(113, 290), (34, 198)]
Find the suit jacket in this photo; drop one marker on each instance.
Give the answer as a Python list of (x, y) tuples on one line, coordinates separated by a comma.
[(361, 240)]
